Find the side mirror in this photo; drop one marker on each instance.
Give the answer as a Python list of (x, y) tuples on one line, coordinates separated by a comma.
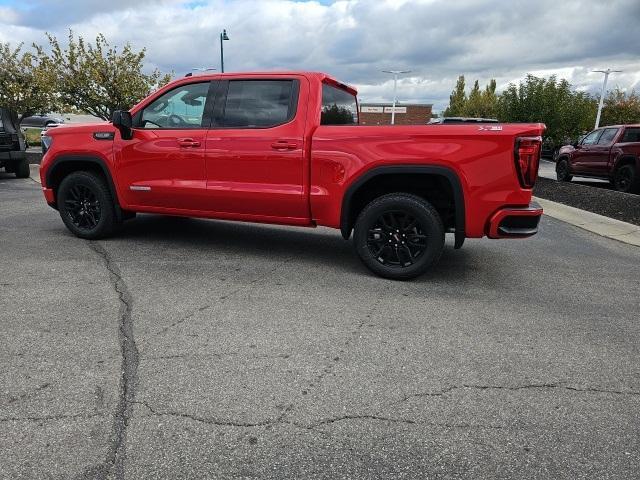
[(122, 120)]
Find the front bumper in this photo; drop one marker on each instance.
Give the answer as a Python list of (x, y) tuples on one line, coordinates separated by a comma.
[(13, 156), (515, 222)]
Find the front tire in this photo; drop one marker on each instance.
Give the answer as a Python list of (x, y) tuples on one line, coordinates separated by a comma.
[(563, 174), (399, 236), (626, 179), (86, 206), (22, 169)]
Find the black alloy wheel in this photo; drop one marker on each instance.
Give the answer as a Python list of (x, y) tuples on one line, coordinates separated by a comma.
[(399, 236), (396, 239), (83, 207), (624, 179), (86, 206)]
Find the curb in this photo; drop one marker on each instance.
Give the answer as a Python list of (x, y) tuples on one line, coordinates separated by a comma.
[(592, 222), (35, 173)]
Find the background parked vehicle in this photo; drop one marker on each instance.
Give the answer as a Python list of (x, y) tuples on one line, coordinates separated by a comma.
[(41, 121), (611, 152), (451, 120), (12, 145)]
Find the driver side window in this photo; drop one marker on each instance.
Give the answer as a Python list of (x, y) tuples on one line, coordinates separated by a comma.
[(592, 138), (180, 108)]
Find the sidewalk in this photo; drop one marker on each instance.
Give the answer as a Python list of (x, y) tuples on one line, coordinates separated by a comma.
[(604, 226)]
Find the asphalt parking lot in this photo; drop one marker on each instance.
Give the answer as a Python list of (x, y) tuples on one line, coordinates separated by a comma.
[(199, 349)]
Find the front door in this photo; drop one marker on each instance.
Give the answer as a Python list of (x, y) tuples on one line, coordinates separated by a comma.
[(255, 158), (582, 159), (163, 165)]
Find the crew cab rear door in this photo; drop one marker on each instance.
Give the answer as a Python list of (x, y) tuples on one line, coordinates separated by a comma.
[(255, 161)]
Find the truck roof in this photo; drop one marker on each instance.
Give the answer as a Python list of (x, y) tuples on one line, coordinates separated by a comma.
[(322, 77)]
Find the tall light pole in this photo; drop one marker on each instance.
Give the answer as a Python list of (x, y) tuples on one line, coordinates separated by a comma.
[(604, 89), (395, 91), (223, 37)]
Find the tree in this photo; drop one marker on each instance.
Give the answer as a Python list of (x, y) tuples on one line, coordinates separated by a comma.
[(621, 108), (99, 79), (480, 103), (27, 82), (566, 113), (457, 99)]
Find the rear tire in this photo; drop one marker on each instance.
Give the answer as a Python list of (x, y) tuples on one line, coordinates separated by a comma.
[(399, 236), (563, 174), (626, 179), (22, 169), (86, 206)]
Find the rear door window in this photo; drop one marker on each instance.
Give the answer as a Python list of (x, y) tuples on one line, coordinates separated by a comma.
[(259, 103), (607, 136), (339, 107), (631, 135)]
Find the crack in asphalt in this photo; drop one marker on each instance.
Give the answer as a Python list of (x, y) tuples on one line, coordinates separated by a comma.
[(116, 453), (30, 394), (45, 418), (513, 388), (223, 297), (214, 421)]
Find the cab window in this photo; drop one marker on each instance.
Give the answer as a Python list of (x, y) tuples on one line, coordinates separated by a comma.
[(259, 103), (607, 136), (631, 135), (592, 137), (339, 107), (180, 108)]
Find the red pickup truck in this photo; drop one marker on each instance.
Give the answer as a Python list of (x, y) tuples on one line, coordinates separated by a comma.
[(286, 148)]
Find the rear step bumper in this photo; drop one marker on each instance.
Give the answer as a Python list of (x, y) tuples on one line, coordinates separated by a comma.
[(515, 222)]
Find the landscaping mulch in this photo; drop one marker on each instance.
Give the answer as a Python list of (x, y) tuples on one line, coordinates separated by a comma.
[(612, 204)]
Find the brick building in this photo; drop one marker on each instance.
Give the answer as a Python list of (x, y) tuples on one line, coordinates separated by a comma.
[(406, 113)]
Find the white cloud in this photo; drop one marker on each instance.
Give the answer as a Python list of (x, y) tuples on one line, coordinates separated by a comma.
[(355, 40)]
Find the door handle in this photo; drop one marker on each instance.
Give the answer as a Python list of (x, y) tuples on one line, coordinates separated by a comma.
[(188, 142), (284, 145)]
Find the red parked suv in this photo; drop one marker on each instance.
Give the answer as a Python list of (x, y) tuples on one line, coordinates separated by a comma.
[(612, 153), (286, 148)]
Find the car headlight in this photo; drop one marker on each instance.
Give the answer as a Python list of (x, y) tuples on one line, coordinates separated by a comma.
[(46, 141)]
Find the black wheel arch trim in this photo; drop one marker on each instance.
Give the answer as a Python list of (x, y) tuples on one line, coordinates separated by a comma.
[(346, 224), (87, 159)]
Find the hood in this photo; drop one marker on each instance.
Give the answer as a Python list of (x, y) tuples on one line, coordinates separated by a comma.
[(78, 128)]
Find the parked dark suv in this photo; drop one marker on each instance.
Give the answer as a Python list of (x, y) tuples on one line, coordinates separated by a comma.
[(611, 153), (12, 146)]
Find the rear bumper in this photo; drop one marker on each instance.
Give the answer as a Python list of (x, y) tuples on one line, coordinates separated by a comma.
[(515, 222)]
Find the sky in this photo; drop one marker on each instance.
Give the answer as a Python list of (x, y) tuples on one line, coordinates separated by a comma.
[(355, 40)]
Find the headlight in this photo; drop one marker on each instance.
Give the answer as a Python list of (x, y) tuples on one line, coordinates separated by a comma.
[(46, 141)]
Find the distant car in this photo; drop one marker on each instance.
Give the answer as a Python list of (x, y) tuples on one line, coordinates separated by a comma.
[(450, 120), (12, 146), (611, 153), (40, 121)]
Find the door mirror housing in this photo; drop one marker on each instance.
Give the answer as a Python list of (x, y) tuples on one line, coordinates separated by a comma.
[(122, 120)]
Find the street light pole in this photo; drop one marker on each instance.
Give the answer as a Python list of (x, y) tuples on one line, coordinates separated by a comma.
[(395, 91), (223, 37), (604, 89)]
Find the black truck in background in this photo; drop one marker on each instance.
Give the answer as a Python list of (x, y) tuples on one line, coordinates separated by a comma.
[(12, 145)]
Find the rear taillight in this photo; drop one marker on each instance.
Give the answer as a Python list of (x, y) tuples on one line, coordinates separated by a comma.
[(527, 156)]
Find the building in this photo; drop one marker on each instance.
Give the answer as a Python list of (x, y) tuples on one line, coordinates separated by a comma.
[(406, 113)]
